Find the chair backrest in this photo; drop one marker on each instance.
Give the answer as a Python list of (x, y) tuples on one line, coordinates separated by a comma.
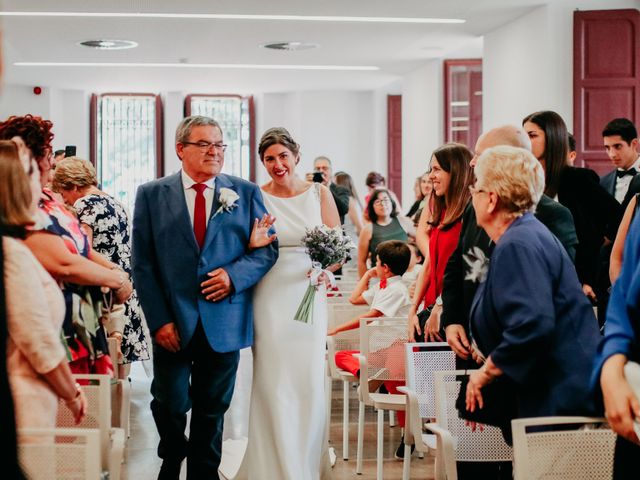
[(97, 389), (341, 312), (422, 359), (481, 445), (382, 342), (67, 453), (562, 447)]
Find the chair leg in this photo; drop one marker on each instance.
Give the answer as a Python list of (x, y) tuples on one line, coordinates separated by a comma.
[(360, 438), (345, 420), (392, 418), (406, 462), (380, 444)]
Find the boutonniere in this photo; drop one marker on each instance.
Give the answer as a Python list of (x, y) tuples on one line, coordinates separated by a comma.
[(478, 265), (227, 200)]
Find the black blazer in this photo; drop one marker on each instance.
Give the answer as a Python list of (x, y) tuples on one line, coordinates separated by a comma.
[(596, 215), (608, 182)]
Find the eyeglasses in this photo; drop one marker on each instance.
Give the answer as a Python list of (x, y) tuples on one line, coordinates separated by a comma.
[(206, 146), (381, 201)]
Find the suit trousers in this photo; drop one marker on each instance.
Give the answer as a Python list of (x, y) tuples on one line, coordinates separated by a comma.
[(199, 379)]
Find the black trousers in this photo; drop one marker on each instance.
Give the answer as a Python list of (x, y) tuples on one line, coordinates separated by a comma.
[(625, 460), (201, 380)]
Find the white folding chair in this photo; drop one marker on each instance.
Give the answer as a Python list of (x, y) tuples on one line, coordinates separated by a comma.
[(570, 448), (422, 360), (97, 389), (66, 453), (120, 393), (381, 358), (349, 340), (455, 440)]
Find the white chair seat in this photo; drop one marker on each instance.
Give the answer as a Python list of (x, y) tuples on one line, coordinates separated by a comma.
[(387, 401)]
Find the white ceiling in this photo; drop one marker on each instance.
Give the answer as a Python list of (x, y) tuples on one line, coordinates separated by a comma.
[(396, 48)]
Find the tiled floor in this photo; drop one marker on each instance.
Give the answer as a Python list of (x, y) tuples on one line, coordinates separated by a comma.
[(143, 464)]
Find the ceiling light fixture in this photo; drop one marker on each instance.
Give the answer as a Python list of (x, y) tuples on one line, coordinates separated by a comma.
[(226, 66), (109, 44), (222, 16), (289, 46)]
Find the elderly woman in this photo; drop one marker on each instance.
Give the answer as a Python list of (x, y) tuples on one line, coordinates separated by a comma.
[(106, 223), (60, 245), (532, 327)]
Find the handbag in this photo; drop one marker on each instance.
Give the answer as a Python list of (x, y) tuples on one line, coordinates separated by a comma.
[(500, 406)]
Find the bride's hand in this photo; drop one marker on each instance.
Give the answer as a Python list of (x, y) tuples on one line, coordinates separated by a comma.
[(260, 233)]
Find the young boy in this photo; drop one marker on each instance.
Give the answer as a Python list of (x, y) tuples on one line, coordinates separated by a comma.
[(390, 297)]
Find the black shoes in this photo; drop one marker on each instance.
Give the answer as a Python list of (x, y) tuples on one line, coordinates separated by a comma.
[(170, 470), (400, 450)]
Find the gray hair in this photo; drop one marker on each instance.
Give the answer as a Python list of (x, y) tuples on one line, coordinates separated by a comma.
[(322, 157), (183, 131)]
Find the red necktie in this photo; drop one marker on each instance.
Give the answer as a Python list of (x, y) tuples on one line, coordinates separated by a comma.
[(200, 214), (383, 283)]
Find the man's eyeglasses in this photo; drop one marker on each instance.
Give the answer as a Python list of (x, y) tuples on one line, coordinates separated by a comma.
[(206, 146)]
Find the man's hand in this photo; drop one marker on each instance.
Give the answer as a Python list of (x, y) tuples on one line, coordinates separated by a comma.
[(588, 291), (167, 337), (218, 286), (458, 341)]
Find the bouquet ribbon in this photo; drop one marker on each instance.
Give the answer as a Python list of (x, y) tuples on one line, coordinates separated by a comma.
[(317, 271), (304, 313)]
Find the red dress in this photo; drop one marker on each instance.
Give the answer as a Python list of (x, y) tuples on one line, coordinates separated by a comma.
[(442, 243)]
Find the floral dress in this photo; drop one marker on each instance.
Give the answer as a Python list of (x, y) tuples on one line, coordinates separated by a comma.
[(87, 344), (111, 237)]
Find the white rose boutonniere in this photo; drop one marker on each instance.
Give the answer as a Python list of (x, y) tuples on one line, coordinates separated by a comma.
[(227, 200), (477, 265)]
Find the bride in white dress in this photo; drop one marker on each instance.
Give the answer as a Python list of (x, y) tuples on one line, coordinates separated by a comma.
[(287, 420)]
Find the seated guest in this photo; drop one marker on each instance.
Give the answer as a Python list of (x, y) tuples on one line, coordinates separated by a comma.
[(385, 225), (107, 224), (532, 328), (388, 298), (37, 365)]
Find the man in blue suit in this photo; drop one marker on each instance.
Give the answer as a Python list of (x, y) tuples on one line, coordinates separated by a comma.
[(194, 274)]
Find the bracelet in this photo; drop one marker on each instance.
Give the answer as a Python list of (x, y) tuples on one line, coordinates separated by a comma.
[(76, 396)]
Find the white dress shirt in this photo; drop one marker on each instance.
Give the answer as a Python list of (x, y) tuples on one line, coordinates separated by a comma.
[(623, 183), (190, 194)]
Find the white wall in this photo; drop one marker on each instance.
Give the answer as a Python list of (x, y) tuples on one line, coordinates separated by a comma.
[(422, 123), (528, 63)]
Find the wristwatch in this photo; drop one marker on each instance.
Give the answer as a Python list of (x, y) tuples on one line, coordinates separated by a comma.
[(439, 300)]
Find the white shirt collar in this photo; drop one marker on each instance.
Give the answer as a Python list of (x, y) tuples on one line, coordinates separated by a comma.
[(394, 279), (635, 165), (188, 182)]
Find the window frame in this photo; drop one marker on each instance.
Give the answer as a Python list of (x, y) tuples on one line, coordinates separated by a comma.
[(448, 64)]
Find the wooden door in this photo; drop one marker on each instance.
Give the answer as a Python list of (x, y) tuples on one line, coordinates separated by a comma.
[(606, 78), (394, 144)]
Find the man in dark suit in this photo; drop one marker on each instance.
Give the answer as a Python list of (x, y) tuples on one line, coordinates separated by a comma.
[(621, 143), (194, 275), (340, 194)]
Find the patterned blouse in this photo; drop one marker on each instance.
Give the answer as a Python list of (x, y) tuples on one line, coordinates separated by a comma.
[(112, 238)]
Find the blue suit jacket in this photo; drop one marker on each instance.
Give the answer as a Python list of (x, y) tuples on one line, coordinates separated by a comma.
[(531, 316), (168, 266)]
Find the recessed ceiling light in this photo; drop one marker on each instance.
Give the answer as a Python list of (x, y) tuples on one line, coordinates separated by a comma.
[(216, 16), (109, 44), (226, 66), (290, 46)]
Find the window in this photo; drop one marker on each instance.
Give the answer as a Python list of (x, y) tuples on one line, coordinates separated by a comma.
[(126, 143), (235, 115), (463, 101)]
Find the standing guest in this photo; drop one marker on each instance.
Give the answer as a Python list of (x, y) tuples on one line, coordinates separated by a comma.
[(385, 225), (353, 222), (341, 195), (194, 275), (620, 139), (58, 155), (39, 373), (374, 181), (533, 329), (107, 225), (620, 344), (596, 214), (615, 264), (451, 176), (58, 242), (422, 189)]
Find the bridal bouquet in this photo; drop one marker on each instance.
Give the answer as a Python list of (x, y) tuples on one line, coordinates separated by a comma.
[(325, 246)]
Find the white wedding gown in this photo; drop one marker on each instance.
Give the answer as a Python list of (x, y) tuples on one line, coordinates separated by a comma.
[(287, 438)]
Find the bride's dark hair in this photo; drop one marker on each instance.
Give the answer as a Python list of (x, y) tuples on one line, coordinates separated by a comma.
[(277, 136)]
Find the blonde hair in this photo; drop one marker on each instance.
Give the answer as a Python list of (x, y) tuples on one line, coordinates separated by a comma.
[(15, 189), (73, 172), (514, 174)]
